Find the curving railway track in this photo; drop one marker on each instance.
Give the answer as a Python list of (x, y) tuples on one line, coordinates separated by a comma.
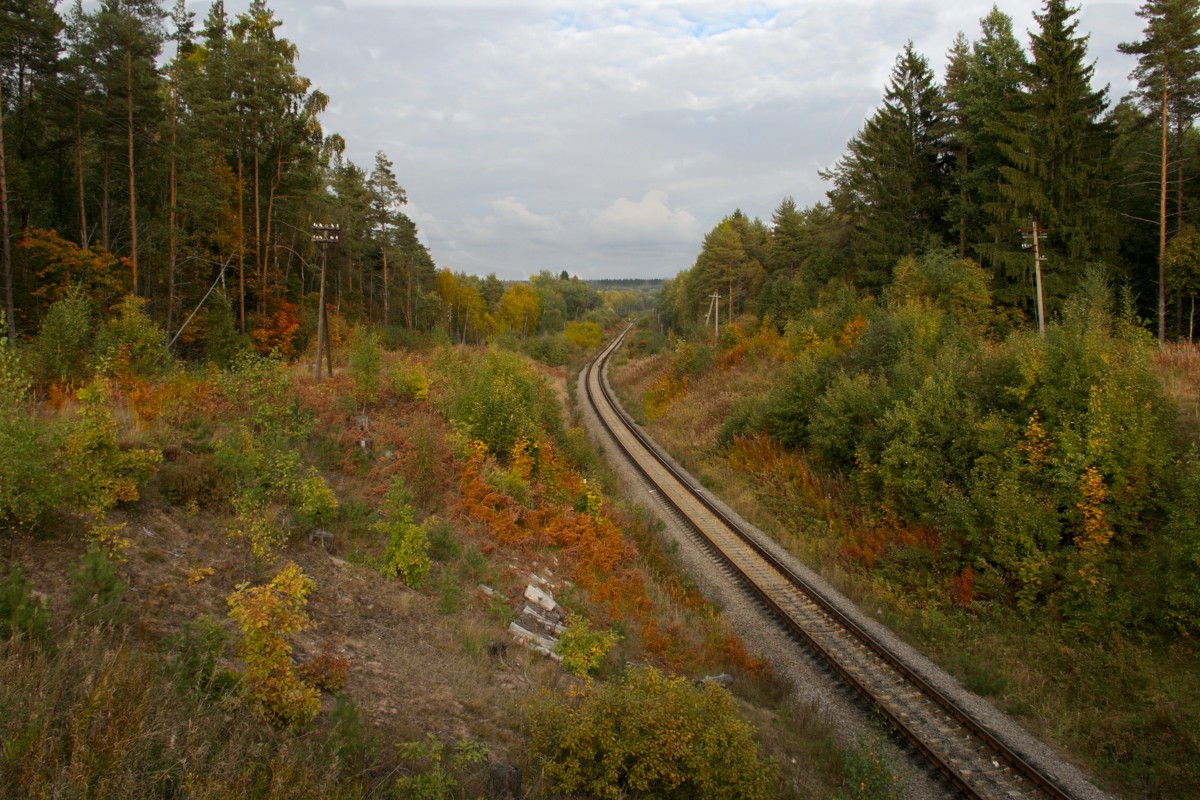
[(962, 749)]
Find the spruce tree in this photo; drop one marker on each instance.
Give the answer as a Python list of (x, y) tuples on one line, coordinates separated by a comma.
[(983, 86), (1058, 151), (891, 182)]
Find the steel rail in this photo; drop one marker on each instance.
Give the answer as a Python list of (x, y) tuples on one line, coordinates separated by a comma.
[(620, 427)]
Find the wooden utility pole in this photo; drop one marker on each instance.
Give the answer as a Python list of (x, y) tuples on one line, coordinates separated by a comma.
[(1033, 238), (324, 234), (714, 307)]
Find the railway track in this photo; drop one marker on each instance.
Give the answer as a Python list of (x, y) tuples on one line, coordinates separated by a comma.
[(963, 750)]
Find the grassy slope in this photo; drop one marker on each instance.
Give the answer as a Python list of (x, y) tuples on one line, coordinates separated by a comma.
[(419, 661)]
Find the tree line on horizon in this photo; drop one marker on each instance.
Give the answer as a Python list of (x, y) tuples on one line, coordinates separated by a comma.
[(1010, 138)]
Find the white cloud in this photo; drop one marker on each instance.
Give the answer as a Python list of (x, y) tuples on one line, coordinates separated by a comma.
[(648, 219), (514, 124)]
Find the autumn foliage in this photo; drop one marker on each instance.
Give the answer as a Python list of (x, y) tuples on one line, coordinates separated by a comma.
[(268, 616)]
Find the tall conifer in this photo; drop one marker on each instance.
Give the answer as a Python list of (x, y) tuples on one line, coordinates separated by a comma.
[(891, 182), (983, 86), (1058, 149)]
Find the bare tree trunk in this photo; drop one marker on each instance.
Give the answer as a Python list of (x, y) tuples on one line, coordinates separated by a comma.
[(1179, 161), (173, 196), (104, 243), (133, 251), (258, 232), (408, 301), (1162, 226), (83, 231), (5, 245), (371, 300), (385, 286), (241, 243), (266, 251)]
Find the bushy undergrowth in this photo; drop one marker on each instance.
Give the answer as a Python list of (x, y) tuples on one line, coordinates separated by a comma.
[(494, 397), (649, 735), (968, 469), (1037, 461)]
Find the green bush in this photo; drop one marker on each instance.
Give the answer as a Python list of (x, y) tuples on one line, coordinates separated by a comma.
[(871, 773), (791, 401), (260, 391), (549, 348), (193, 656), (584, 335), (64, 339), (845, 418), (957, 286), (499, 400), (1182, 578), (20, 612), (583, 650), (928, 446), (649, 735), (30, 483), (100, 473), (366, 366), (132, 341), (409, 380), (437, 774), (407, 553), (222, 342), (97, 592)]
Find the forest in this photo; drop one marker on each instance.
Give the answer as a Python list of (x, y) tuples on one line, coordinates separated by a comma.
[(1000, 469)]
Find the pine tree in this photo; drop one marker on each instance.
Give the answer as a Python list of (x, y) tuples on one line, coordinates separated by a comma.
[(1168, 77), (128, 38), (386, 196), (28, 57)]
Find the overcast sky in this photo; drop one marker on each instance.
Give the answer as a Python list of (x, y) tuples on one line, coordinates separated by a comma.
[(606, 138)]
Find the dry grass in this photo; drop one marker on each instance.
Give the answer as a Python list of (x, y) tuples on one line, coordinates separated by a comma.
[(1179, 369)]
